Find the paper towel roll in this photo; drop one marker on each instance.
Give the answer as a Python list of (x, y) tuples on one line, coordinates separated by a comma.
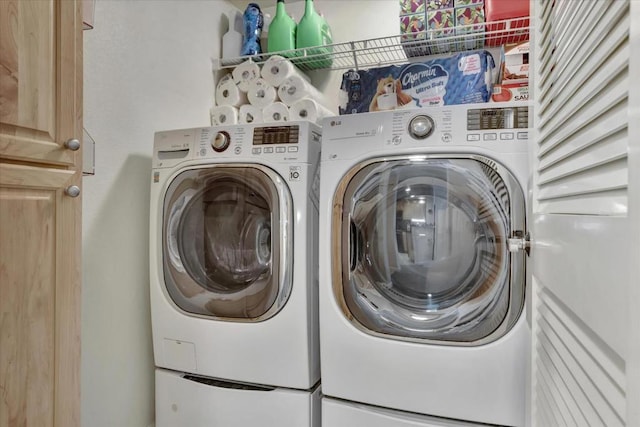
[(224, 115), (308, 109), (277, 69), (245, 73), (295, 88), (227, 93), (276, 112), (250, 114), (261, 93)]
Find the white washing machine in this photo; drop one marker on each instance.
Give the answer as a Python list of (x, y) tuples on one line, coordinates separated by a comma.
[(233, 265), (422, 275)]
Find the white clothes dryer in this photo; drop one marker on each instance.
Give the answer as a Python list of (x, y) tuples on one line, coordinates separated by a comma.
[(233, 265), (422, 283)]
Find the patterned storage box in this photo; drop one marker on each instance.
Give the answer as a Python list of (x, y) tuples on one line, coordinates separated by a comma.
[(463, 3), (470, 23), (441, 24), (439, 4), (411, 7), (412, 29), (448, 25)]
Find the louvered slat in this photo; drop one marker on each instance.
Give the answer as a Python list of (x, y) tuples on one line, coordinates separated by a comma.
[(575, 47), (576, 355), (582, 111), (544, 36), (577, 417), (601, 178), (576, 383), (565, 31), (589, 95), (612, 132), (569, 413), (613, 202), (588, 68), (610, 361), (586, 374)]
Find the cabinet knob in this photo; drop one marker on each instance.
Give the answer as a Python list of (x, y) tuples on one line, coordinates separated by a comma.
[(72, 144), (72, 191)]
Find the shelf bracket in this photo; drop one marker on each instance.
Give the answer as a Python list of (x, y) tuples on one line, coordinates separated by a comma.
[(355, 57)]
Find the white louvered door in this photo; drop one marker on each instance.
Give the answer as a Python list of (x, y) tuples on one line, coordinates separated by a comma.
[(585, 223)]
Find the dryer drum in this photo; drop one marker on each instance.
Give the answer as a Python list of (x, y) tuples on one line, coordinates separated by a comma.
[(220, 258), (424, 246)]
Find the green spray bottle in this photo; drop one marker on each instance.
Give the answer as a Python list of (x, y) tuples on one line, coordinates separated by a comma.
[(313, 31), (282, 31)]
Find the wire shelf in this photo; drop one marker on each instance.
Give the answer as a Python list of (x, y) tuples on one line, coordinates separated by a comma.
[(398, 49)]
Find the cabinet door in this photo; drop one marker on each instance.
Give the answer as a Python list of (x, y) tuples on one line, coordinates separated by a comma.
[(40, 108), (39, 298), (586, 194), (40, 67)]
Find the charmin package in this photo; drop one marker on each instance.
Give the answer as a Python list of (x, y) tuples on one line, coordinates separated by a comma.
[(458, 79)]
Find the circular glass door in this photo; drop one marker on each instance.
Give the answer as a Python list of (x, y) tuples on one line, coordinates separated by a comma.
[(227, 242), (425, 248)]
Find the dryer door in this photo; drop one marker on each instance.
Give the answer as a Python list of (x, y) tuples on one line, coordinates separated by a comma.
[(227, 236), (424, 246)]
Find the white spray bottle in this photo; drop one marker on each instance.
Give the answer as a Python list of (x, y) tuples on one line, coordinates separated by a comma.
[(232, 39)]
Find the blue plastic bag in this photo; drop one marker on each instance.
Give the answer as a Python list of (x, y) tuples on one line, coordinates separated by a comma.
[(253, 22)]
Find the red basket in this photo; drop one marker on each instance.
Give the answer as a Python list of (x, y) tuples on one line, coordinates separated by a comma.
[(514, 17)]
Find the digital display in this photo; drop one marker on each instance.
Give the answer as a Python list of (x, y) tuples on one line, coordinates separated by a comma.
[(276, 135), (498, 118)]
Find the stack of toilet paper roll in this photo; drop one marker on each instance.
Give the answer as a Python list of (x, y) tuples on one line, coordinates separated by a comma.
[(278, 92)]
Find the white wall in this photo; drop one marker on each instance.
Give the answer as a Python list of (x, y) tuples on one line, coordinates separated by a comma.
[(147, 67)]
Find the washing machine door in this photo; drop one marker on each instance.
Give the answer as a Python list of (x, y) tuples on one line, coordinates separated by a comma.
[(424, 245), (227, 242)]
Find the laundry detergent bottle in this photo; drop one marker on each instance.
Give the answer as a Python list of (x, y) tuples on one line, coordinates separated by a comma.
[(282, 31), (313, 31)]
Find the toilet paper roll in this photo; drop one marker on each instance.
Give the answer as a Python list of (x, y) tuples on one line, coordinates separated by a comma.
[(250, 114), (228, 93), (295, 88), (224, 115), (308, 109), (244, 73), (276, 112), (278, 68), (387, 101), (261, 94)]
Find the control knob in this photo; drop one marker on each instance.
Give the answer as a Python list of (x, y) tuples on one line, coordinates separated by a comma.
[(421, 126), (221, 141)]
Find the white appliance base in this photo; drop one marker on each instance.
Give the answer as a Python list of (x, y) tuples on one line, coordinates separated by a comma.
[(340, 413), (181, 401)]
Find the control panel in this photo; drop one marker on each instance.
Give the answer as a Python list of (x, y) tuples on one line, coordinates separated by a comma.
[(500, 127), (290, 142), (498, 118), (498, 124), (270, 135)]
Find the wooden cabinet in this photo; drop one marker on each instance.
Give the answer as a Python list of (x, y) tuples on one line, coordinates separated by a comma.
[(40, 228)]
